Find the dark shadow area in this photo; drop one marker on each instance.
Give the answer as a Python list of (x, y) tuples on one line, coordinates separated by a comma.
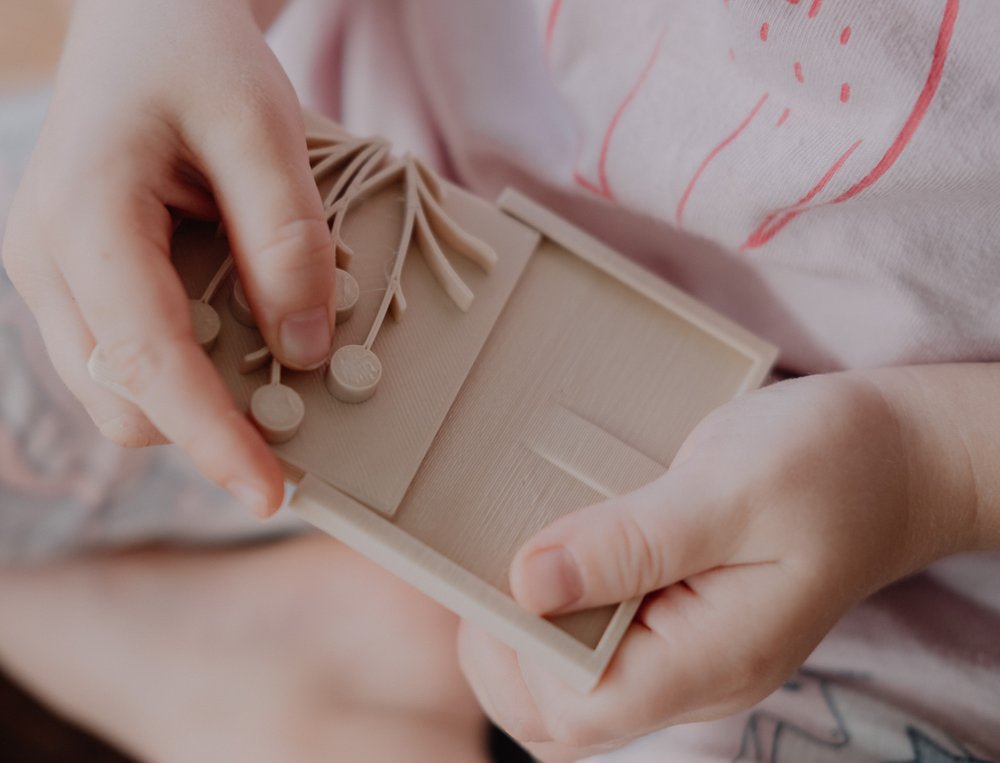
[(31, 733)]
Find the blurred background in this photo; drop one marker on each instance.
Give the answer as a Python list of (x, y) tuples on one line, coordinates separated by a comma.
[(31, 34)]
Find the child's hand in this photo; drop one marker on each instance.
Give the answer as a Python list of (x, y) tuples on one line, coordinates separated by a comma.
[(163, 106), (781, 511)]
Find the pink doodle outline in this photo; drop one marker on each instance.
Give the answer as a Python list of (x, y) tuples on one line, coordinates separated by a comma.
[(920, 109), (896, 148), (603, 187), (712, 155), (766, 231), (550, 25)]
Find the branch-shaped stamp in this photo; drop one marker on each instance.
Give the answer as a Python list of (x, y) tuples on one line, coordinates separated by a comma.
[(355, 370), (204, 319), (354, 160)]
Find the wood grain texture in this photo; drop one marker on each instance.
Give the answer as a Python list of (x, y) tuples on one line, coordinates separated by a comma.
[(371, 450), (592, 378), (575, 398), (574, 376), (763, 354)]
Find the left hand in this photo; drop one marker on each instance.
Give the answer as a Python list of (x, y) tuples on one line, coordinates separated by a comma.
[(781, 510), (164, 108)]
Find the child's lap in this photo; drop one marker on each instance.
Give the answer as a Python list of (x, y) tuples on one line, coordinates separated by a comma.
[(879, 687)]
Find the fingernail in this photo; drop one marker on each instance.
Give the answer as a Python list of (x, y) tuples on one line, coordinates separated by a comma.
[(249, 496), (305, 337), (552, 579)]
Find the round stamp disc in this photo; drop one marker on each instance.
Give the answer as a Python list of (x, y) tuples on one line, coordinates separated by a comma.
[(348, 292), (278, 411), (354, 374), (239, 306), (206, 322)]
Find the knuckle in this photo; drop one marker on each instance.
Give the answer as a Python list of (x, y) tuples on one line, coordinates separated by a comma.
[(572, 730), (254, 103), (638, 566), (300, 249), (256, 111), (137, 362), (525, 728)]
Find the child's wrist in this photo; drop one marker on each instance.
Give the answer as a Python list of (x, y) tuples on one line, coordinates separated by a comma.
[(946, 416)]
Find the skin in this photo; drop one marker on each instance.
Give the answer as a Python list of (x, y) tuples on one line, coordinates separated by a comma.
[(141, 128), (795, 502), (781, 511), (224, 655)]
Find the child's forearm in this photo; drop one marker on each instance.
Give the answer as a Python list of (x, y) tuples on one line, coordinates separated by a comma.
[(949, 416)]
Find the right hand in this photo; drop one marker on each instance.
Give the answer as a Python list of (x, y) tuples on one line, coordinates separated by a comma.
[(782, 510), (161, 106)]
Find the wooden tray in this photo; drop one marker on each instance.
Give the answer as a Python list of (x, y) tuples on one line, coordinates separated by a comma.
[(575, 375)]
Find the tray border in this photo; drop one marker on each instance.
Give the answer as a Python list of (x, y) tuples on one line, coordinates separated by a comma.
[(437, 576)]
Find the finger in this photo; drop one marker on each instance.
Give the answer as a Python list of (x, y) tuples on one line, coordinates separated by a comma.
[(69, 344), (191, 200), (542, 712), (624, 547), (694, 654), (132, 300), (259, 170), (591, 722), (493, 672), (722, 627)]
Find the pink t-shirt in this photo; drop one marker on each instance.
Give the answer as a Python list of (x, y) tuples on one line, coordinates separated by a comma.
[(826, 173)]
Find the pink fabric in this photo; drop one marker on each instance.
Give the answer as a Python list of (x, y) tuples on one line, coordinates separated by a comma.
[(827, 173)]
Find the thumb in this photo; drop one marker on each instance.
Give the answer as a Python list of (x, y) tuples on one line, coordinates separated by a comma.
[(621, 548), (259, 170)]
